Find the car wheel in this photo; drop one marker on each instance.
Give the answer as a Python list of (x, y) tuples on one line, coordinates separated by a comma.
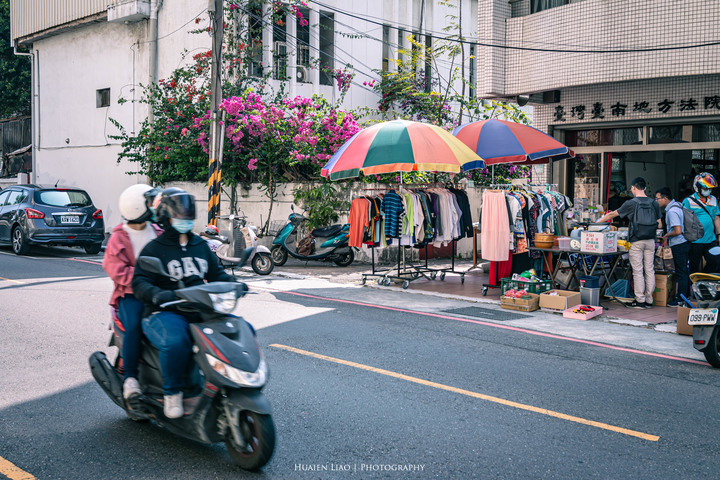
[(20, 244), (93, 249)]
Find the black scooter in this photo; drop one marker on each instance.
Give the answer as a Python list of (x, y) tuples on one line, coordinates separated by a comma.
[(223, 397)]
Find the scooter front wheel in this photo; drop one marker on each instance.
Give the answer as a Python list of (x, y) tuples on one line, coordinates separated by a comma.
[(711, 351), (279, 255), (262, 263), (258, 432)]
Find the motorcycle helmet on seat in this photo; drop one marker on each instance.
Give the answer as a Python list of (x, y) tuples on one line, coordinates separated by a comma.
[(212, 230), (174, 203), (704, 181), (133, 203)]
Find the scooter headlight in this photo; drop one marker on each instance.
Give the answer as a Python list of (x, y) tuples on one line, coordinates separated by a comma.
[(247, 379), (224, 302)]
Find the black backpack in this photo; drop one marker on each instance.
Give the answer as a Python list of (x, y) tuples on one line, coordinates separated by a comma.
[(692, 228), (644, 223)]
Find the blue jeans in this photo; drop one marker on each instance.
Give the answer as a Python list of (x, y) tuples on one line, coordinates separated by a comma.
[(170, 333), (130, 312), (681, 254)]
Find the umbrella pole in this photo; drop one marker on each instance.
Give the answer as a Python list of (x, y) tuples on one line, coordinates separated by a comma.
[(493, 175)]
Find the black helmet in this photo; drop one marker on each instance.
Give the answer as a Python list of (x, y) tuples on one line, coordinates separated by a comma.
[(174, 203)]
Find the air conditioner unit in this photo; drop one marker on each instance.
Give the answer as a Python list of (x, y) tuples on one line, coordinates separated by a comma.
[(301, 74), (128, 11)]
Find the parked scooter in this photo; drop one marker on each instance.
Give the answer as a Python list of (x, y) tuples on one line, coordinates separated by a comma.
[(223, 386), (328, 243), (245, 247), (704, 316)]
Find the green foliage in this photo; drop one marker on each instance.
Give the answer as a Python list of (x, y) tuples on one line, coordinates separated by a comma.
[(324, 203), (15, 82)]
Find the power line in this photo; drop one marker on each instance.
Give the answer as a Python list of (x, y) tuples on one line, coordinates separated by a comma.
[(532, 49)]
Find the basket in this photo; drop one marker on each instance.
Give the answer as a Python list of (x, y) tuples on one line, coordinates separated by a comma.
[(621, 289), (276, 226), (530, 287)]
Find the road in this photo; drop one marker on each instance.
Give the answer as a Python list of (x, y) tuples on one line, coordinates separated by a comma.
[(365, 383)]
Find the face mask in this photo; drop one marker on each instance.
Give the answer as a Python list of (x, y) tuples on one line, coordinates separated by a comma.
[(705, 193), (182, 226)]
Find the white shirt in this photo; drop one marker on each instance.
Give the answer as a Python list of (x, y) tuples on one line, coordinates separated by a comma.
[(140, 238)]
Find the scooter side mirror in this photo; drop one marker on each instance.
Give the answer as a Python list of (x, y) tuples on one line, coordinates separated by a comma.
[(152, 265)]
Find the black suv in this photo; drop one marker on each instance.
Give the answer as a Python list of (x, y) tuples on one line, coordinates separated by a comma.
[(46, 215)]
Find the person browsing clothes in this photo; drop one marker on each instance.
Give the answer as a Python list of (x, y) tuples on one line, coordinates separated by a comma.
[(644, 215), (705, 206), (186, 257), (674, 221)]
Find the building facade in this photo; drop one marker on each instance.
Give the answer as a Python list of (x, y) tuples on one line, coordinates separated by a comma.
[(90, 55), (632, 86)]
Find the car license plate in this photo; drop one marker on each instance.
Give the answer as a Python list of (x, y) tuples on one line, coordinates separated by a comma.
[(703, 316), (70, 219)]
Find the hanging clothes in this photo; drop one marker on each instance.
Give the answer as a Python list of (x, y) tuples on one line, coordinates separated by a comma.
[(495, 226), (359, 221)]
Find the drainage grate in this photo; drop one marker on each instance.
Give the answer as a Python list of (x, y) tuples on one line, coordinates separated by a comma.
[(487, 313)]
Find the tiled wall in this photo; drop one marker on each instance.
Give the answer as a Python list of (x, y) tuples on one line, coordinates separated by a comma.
[(594, 25)]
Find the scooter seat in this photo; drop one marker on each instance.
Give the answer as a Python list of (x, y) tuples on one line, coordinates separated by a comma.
[(326, 232)]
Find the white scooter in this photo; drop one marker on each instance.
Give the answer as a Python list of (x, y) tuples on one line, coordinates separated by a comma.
[(244, 248)]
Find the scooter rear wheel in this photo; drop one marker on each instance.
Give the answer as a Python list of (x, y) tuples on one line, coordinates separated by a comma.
[(258, 432), (262, 263), (711, 352), (279, 255), (345, 259)]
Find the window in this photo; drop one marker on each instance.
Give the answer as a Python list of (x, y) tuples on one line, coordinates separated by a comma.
[(400, 43), (3, 198), (666, 134), (472, 73), (255, 31), (327, 47), (279, 50), (386, 48), (540, 5), (709, 132), (302, 58), (102, 98), (16, 196), (62, 198)]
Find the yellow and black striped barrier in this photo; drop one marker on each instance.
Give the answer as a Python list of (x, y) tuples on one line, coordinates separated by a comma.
[(215, 172)]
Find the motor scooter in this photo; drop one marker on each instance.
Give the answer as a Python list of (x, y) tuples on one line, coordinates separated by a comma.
[(330, 243), (223, 399), (704, 316), (244, 248)]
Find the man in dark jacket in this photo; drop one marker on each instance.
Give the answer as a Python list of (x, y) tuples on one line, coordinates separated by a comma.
[(188, 258)]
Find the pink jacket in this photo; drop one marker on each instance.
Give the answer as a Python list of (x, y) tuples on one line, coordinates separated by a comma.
[(119, 262)]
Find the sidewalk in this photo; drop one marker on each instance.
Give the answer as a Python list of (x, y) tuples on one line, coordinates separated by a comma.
[(620, 326)]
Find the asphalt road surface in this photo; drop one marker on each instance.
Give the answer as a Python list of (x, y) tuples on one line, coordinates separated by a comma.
[(364, 384)]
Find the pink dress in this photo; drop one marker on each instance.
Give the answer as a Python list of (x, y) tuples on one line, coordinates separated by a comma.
[(495, 227)]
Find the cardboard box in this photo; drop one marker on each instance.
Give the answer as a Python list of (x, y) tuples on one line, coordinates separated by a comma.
[(598, 242), (569, 313), (529, 303), (664, 289), (563, 299), (682, 321)]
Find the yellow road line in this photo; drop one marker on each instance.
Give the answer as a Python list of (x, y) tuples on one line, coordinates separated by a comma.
[(543, 411), (11, 280), (12, 472)]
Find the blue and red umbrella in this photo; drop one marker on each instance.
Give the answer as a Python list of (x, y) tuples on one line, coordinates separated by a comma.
[(500, 141)]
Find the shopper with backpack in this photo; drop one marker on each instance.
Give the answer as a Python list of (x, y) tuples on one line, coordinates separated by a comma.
[(675, 239), (705, 206), (644, 215)]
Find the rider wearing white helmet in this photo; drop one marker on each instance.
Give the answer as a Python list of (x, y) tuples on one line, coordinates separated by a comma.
[(123, 248), (705, 206)]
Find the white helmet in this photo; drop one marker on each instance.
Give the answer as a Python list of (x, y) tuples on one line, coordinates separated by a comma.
[(133, 204)]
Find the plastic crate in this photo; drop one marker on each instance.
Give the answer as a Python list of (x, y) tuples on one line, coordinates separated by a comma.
[(621, 289), (530, 287)]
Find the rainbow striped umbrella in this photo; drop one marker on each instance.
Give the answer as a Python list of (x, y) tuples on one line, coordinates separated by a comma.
[(500, 141), (399, 146)]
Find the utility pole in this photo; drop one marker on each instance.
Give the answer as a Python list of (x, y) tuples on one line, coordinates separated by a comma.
[(215, 9)]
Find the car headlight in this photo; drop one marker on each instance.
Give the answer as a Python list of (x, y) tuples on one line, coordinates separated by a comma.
[(224, 302), (248, 379)]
